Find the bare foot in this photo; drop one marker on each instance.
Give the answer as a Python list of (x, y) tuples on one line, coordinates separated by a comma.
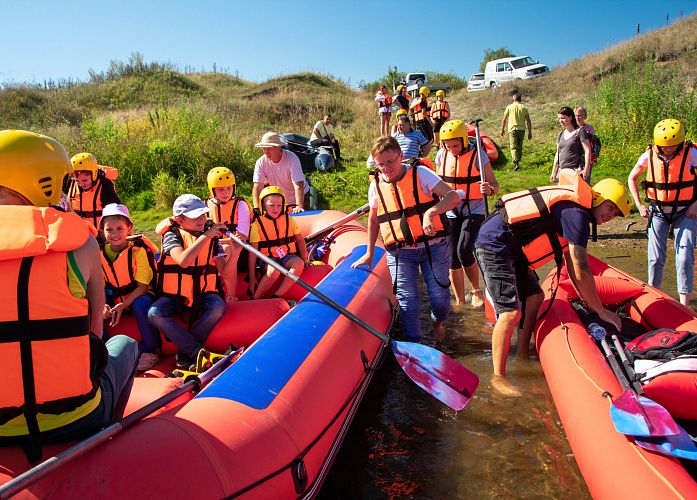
[(477, 299), (439, 330), (504, 387), (524, 355)]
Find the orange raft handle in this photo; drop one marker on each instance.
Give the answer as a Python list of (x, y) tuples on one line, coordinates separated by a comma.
[(192, 383)]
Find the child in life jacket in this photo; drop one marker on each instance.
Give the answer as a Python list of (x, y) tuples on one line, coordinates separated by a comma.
[(187, 278), (233, 211), (90, 188), (275, 234), (128, 264)]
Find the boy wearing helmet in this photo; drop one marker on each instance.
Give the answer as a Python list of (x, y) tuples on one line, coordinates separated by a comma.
[(420, 114), (88, 189), (233, 211), (671, 191), (440, 112), (460, 165), (67, 384), (277, 235), (531, 228)]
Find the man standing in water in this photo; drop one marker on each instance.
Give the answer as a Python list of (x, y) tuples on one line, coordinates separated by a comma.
[(522, 237)]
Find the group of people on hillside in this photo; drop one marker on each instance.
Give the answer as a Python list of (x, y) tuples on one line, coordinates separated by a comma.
[(71, 259)]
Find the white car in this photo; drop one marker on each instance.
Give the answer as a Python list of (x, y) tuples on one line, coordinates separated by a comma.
[(476, 82), (512, 68)]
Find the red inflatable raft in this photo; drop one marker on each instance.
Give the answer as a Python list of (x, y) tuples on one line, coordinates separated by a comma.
[(270, 425), (578, 375), (487, 143)]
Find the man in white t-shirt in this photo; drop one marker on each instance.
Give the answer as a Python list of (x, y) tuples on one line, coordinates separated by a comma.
[(323, 135), (281, 168)]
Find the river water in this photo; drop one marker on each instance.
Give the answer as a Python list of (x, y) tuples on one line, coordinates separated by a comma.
[(404, 443)]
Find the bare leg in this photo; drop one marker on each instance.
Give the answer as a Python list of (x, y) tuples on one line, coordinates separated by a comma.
[(266, 282), (296, 267), (472, 273), (532, 307), (684, 299), (500, 346), (457, 280)]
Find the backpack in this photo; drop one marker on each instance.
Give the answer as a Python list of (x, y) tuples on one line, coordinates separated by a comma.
[(663, 343), (595, 147)]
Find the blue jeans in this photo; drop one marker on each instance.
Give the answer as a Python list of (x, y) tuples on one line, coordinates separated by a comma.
[(685, 229), (149, 336), (161, 315), (407, 292), (116, 384)]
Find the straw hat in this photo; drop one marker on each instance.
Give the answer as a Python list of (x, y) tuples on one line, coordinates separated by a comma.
[(270, 140)]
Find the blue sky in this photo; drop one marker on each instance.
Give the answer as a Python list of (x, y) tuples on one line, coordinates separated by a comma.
[(354, 40)]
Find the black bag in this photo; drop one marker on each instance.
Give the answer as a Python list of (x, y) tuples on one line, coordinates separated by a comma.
[(663, 343)]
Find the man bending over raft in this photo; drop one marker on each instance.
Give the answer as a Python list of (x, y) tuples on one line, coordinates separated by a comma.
[(521, 237)]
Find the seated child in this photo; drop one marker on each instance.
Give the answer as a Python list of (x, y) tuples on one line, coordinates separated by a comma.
[(128, 264), (187, 277), (277, 235), (89, 189), (235, 212)]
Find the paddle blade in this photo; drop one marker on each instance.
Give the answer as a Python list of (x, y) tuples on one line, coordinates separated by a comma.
[(442, 377), (635, 415), (679, 445)]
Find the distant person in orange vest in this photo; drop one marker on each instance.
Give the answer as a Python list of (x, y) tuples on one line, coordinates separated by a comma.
[(68, 384), (384, 101), (89, 189), (420, 114), (440, 112), (519, 118)]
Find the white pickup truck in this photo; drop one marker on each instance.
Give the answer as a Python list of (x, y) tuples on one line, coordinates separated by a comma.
[(414, 81)]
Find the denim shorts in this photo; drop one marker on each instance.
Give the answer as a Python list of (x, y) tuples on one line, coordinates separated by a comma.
[(500, 277)]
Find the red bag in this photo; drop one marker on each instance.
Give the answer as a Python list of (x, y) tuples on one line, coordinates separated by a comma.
[(663, 343)]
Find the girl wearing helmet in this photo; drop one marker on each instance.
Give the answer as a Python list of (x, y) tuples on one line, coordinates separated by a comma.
[(235, 212), (671, 190), (90, 187), (440, 112)]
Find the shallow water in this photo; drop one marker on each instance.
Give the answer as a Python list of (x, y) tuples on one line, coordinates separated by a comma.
[(403, 443)]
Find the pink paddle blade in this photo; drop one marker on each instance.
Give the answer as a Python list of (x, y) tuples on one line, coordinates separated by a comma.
[(635, 415)]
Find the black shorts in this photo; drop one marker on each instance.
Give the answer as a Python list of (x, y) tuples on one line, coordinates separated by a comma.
[(500, 278), (437, 124)]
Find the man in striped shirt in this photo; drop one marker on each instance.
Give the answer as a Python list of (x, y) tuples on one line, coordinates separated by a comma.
[(412, 142)]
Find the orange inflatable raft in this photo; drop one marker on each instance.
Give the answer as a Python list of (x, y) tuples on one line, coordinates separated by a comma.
[(487, 143), (270, 425), (578, 375)]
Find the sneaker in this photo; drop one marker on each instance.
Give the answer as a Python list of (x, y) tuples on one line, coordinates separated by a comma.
[(184, 362), (147, 360)]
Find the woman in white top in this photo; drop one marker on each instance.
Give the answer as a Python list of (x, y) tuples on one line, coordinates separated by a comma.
[(384, 101)]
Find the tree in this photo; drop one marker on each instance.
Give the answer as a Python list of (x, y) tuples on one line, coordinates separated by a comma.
[(490, 55)]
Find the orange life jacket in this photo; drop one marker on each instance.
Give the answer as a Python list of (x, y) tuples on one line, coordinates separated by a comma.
[(275, 234), (88, 203), (528, 216), (670, 184), (226, 212), (50, 364), (387, 102), (187, 284), (420, 107), (462, 172), (440, 110), (119, 275), (405, 201)]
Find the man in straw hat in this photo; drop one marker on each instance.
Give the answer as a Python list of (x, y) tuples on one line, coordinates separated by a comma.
[(279, 167)]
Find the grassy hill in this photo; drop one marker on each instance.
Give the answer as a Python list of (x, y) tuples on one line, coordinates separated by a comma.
[(164, 130)]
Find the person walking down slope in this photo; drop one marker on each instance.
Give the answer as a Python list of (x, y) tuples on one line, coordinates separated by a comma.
[(671, 186), (573, 147), (384, 101), (420, 114), (440, 112), (518, 118)]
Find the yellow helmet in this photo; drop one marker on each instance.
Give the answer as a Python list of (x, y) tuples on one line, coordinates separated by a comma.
[(425, 91), (399, 88), (613, 190), (440, 92), (401, 112), (87, 162), (267, 191), (33, 165), (452, 129), (221, 177), (668, 133)]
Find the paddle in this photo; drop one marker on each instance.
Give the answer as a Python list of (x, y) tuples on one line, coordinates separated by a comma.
[(192, 383), (632, 414), (479, 158), (323, 232), (442, 377)]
